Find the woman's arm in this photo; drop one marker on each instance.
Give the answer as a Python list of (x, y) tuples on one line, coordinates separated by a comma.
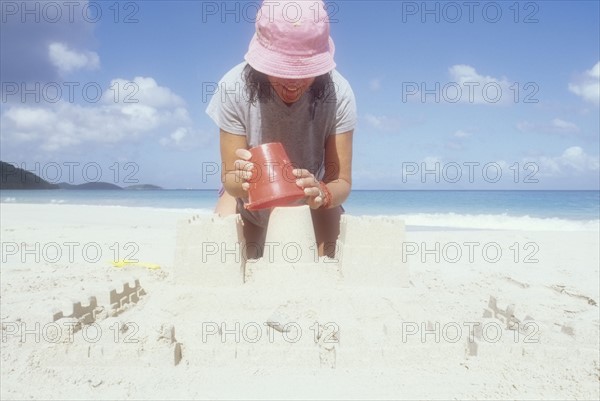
[(338, 167), (338, 173), (234, 169)]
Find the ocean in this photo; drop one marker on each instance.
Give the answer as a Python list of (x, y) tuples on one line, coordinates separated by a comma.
[(501, 209)]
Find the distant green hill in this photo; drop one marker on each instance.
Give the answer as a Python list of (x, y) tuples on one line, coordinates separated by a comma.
[(107, 186), (141, 187), (12, 177), (90, 186)]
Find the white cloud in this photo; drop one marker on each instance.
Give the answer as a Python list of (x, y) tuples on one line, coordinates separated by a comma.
[(588, 85), (556, 126), (143, 90), (179, 134), (375, 121), (175, 138), (30, 119), (67, 60), (458, 141), (64, 124), (571, 166), (469, 86), (382, 122), (431, 163), (572, 160), (184, 138), (564, 126), (375, 84), (461, 134), (454, 146)]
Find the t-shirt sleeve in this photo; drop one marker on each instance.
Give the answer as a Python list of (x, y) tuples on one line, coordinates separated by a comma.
[(223, 108), (346, 108)]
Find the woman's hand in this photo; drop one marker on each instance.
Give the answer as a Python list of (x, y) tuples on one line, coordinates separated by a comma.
[(243, 168), (304, 179), (311, 186)]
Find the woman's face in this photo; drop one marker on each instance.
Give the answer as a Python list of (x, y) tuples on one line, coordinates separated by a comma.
[(290, 90)]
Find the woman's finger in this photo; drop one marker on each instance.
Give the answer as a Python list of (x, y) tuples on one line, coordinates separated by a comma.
[(301, 172), (314, 203), (243, 154), (243, 165), (307, 182), (312, 191)]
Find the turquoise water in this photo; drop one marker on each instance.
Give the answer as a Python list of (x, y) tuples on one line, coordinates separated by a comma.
[(449, 208), (576, 205)]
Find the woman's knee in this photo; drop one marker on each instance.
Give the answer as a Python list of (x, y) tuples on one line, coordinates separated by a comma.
[(226, 205)]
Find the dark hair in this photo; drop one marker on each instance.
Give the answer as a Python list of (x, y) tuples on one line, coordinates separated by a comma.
[(259, 88)]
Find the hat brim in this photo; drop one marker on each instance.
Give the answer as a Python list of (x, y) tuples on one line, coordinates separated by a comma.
[(291, 67)]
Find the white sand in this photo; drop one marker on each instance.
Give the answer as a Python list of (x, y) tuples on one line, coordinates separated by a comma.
[(371, 344)]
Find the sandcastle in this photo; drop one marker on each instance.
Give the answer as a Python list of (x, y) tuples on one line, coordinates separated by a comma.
[(291, 307), (301, 319), (211, 250)]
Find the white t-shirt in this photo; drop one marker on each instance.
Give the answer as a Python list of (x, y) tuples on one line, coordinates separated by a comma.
[(302, 128)]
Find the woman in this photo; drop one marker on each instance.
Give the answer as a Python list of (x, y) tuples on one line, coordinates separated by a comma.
[(288, 91)]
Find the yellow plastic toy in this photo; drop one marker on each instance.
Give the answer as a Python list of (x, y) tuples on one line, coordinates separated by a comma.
[(124, 262)]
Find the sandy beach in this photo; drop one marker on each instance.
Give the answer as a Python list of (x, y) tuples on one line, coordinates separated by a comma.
[(487, 314)]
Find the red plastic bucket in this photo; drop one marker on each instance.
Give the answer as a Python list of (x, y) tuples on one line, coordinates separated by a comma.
[(272, 183)]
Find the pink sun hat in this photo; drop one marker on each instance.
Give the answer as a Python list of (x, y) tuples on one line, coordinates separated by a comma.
[(292, 40)]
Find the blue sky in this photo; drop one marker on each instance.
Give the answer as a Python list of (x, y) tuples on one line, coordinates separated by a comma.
[(451, 95)]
